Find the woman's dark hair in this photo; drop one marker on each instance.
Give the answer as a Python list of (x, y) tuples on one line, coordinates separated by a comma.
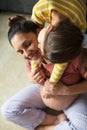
[(84, 58), (63, 43), (20, 24)]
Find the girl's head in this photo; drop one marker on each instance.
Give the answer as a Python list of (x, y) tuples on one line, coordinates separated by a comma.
[(61, 43), (22, 35)]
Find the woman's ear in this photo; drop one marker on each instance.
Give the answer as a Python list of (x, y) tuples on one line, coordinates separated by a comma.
[(38, 30)]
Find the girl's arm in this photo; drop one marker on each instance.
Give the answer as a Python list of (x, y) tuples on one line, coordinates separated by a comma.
[(35, 76)]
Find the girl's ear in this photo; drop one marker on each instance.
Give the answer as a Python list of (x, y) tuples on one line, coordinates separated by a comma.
[(49, 28)]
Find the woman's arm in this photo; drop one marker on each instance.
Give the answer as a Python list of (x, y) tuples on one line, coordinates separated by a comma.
[(78, 88), (61, 89)]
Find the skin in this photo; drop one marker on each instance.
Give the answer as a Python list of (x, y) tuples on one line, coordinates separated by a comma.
[(26, 45), (56, 17)]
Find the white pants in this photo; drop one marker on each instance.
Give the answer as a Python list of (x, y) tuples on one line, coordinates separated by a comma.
[(26, 109)]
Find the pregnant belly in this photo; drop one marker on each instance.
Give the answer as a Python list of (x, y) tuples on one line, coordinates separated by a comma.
[(59, 102)]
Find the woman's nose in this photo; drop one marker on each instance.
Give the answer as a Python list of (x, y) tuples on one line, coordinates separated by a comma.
[(25, 55), (39, 46)]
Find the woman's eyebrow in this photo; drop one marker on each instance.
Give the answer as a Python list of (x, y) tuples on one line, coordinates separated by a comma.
[(19, 50)]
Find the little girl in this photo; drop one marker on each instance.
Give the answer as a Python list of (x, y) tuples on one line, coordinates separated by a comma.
[(54, 11)]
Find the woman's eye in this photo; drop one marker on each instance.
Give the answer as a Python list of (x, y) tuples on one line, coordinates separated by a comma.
[(26, 45)]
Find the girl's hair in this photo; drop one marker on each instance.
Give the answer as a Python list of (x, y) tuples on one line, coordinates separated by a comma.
[(63, 43), (20, 24)]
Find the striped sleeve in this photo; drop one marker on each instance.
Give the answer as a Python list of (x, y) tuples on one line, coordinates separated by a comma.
[(57, 72), (75, 10), (34, 65)]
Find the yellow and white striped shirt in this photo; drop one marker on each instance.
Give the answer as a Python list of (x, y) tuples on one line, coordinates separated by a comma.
[(73, 9)]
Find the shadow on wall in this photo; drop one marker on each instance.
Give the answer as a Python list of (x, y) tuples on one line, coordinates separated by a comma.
[(20, 6)]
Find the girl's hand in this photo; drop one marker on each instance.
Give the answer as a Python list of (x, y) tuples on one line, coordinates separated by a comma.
[(52, 89), (38, 76), (49, 89)]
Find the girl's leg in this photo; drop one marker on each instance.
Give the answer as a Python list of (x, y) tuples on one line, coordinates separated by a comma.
[(25, 108)]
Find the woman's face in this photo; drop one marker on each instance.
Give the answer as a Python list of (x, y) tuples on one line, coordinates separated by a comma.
[(26, 44)]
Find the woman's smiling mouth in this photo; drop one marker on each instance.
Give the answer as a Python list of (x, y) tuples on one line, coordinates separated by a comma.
[(34, 54)]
